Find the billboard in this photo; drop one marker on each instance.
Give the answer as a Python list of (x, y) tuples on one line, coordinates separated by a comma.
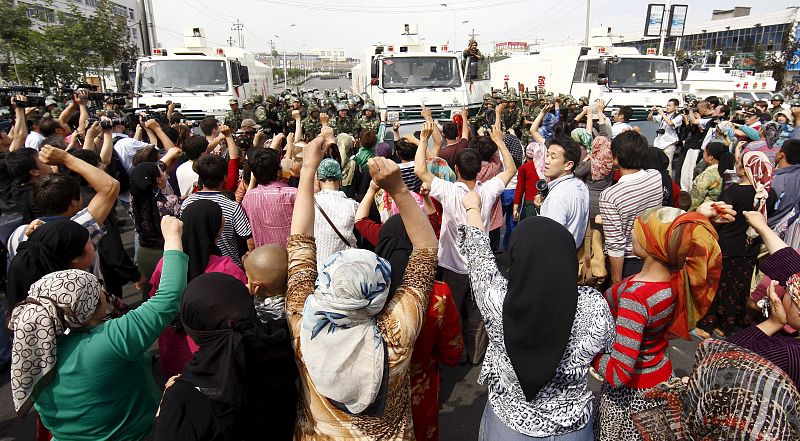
[(794, 62), (677, 20), (655, 20)]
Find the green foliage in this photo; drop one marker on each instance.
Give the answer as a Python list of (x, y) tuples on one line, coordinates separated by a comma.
[(61, 53)]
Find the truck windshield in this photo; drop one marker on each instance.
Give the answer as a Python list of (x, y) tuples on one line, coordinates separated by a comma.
[(420, 72), (642, 73), (187, 75)]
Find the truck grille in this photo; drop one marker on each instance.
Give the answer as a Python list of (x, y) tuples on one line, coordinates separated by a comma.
[(411, 113)]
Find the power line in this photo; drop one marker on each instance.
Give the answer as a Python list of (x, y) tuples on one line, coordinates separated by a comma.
[(377, 9), (238, 26)]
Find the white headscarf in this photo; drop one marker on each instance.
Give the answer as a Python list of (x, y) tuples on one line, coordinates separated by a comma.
[(342, 347), (56, 302)]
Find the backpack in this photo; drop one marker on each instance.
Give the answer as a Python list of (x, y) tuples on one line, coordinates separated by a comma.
[(116, 169)]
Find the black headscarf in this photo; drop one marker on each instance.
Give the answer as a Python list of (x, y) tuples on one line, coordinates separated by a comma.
[(395, 246), (143, 191), (658, 160), (541, 301), (202, 221), (50, 248), (218, 313)]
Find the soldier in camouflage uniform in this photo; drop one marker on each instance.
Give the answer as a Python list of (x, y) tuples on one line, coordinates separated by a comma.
[(529, 113), (512, 116), (249, 111), (342, 123), (233, 118), (369, 121), (311, 124), (288, 122)]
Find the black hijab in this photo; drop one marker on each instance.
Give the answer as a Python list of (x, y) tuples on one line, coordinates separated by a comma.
[(218, 313), (143, 191), (658, 160), (395, 246), (202, 221), (50, 248), (541, 301)]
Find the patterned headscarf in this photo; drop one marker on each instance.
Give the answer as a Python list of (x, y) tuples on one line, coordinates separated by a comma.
[(343, 349), (514, 147), (56, 303), (344, 142), (328, 168), (387, 208), (602, 160), (582, 136), (725, 132), (548, 124), (772, 132), (758, 169), (439, 168), (384, 150), (536, 152), (687, 244)]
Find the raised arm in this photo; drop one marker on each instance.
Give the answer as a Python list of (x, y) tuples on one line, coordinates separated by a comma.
[(386, 174), (155, 127), (303, 213), (298, 127), (537, 137), (509, 167), (80, 99), (20, 130), (420, 159), (64, 116), (465, 130), (106, 187), (107, 150), (366, 202)]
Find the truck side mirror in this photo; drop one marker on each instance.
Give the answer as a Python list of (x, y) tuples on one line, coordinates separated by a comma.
[(373, 72), (602, 79), (244, 74), (349, 75), (473, 70)]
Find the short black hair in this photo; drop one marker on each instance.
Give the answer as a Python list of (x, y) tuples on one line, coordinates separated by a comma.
[(405, 150), (450, 130), (87, 156), (20, 163), (626, 112), (674, 101), (211, 170), (33, 121), (172, 134), (485, 146), (48, 126), (791, 150), (468, 164), (208, 124), (723, 110), (55, 192), (195, 146), (630, 150), (56, 141), (713, 100), (146, 154), (265, 165), (572, 150)]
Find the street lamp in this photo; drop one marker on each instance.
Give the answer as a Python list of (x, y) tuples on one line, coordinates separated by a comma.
[(285, 80)]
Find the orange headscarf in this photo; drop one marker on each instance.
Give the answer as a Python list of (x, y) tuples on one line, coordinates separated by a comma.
[(687, 243)]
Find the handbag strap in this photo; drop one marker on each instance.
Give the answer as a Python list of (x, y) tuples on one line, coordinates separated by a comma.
[(587, 249), (327, 219)]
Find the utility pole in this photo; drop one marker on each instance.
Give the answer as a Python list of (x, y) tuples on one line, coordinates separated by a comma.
[(664, 17), (230, 41), (472, 34), (238, 26), (588, 16)]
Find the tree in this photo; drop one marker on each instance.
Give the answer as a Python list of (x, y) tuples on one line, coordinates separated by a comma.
[(15, 33)]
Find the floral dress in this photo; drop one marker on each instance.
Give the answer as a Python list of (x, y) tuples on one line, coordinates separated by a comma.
[(707, 186)]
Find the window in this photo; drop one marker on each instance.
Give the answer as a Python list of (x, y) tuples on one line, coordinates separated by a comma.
[(592, 71), (91, 3), (130, 13), (420, 72), (578, 77)]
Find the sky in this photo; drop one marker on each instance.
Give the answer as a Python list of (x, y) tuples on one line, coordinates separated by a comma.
[(355, 24)]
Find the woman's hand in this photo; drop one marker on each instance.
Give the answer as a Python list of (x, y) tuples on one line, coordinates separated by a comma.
[(777, 314), (756, 220), (172, 229), (386, 174), (717, 212), (471, 200)]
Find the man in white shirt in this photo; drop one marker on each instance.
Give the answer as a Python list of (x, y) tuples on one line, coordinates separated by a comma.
[(35, 137), (667, 134), (194, 147), (621, 118), (467, 164)]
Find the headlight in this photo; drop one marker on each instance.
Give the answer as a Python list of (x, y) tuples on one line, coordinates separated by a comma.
[(393, 116)]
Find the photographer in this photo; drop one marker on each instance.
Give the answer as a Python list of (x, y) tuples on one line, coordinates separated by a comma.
[(697, 126), (667, 134)]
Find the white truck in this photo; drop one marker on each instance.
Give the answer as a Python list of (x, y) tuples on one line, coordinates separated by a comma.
[(725, 82), (201, 78), (621, 76), (401, 78)]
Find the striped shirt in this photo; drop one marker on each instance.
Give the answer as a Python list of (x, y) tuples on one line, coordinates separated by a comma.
[(235, 226), (622, 203), (269, 208), (643, 312), (409, 177)]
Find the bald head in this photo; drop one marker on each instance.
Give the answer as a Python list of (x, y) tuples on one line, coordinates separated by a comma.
[(267, 269)]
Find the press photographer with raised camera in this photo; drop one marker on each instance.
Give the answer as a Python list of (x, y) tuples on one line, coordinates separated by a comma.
[(667, 133)]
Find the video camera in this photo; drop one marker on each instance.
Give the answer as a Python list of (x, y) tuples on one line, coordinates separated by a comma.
[(32, 96)]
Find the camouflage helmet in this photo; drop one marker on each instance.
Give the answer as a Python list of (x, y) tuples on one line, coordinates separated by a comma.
[(352, 101), (778, 96), (341, 106), (491, 101), (369, 106), (794, 103), (271, 99), (233, 101), (584, 99), (486, 96), (312, 107), (258, 99), (248, 102), (745, 103)]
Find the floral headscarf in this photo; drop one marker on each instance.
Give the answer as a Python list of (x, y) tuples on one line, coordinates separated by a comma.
[(56, 303), (387, 208), (758, 169), (343, 349), (548, 124), (772, 132), (582, 136), (687, 244), (536, 152), (602, 160), (439, 168), (725, 133)]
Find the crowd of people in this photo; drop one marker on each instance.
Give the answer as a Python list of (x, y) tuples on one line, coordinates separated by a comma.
[(305, 268)]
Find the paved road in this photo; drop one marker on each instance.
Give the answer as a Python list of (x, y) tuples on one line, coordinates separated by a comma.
[(318, 83)]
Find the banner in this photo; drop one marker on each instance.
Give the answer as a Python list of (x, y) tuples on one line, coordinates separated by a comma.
[(794, 62), (655, 20), (677, 20)]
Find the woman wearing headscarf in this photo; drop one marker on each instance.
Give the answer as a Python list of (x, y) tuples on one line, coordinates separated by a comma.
[(87, 378), (242, 378), (202, 221), (596, 172), (149, 205), (352, 344), (544, 330), (584, 138), (439, 340), (56, 245), (659, 161), (707, 185), (768, 145), (740, 245), (679, 276)]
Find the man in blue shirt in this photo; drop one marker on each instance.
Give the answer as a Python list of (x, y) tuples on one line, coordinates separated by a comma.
[(567, 200)]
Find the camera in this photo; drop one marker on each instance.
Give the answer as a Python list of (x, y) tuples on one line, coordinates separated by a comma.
[(541, 187), (660, 131), (30, 96)]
